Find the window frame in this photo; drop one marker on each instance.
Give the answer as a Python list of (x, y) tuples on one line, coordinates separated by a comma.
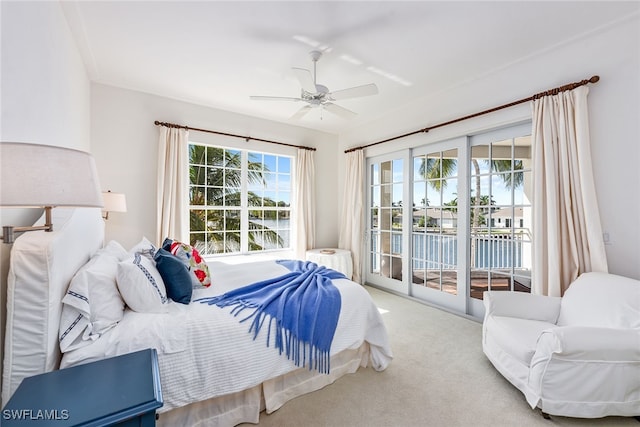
[(494, 138)]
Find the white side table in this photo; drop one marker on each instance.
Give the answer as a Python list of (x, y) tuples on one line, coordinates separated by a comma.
[(340, 260)]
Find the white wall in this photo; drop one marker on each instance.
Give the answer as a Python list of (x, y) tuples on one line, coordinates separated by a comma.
[(45, 96), (45, 89), (613, 53), (124, 143)]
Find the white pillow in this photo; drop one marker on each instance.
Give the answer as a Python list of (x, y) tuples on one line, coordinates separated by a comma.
[(141, 285), (92, 304), (115, 249), (107, 307), (144, 247)]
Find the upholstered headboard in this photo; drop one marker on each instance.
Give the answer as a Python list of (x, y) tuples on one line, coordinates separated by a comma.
[(41, 267)]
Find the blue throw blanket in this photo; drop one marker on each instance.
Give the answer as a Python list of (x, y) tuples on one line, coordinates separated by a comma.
[(304, 304)]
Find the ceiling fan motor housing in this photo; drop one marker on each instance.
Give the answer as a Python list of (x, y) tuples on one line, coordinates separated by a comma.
[(315, 55), (319, 96)]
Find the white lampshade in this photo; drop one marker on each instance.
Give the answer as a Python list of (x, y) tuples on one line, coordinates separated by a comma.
[(33, 175), (114, 202)]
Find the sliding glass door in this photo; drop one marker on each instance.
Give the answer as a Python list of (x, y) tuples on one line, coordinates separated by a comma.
[(437, 251), (449, 220), (413, 229), (386, 183), (500, 213)]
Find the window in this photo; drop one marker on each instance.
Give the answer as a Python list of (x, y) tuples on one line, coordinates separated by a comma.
[(385, 213), (239, 200), (435, 220), (500, 182)]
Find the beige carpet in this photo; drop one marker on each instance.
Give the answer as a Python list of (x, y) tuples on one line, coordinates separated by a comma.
[(439, 377)]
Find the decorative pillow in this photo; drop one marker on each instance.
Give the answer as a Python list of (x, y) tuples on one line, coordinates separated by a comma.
[(92, 304), (141, 285), (176, 276), (190, 256)]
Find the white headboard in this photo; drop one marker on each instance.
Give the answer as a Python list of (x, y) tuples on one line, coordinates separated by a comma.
[(41, 267)]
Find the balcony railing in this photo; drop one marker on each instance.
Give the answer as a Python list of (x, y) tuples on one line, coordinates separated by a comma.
[(440, 251)]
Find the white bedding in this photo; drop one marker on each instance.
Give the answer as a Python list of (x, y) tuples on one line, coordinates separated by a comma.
[(205, 352)]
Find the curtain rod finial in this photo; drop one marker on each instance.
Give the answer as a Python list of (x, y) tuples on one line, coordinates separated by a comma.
[(594, 79)]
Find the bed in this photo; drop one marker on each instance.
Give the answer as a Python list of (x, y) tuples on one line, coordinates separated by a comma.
[(213, 371)]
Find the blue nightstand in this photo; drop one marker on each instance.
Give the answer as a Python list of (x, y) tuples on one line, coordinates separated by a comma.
[(122, 391)]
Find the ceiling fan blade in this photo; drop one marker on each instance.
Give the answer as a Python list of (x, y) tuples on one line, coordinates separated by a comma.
[(354, 92), (301, 112), (339, 111), (273, 98), (305, 78)]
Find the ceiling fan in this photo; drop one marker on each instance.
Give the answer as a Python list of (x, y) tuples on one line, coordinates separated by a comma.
[(319, 96)]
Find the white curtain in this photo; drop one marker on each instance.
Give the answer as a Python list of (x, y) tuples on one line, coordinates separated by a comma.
[(173, 185), (567, 234), (351, 217), (305, 200)]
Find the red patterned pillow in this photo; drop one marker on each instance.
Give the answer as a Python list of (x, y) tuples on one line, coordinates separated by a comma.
[(190, 256)]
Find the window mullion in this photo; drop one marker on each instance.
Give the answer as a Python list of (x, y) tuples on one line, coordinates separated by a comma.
[(244, 204)]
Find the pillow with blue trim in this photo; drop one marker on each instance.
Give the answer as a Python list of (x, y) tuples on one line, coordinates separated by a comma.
[(144, 247), (92, 304), (176, 276), (200, 277), (141, 285)]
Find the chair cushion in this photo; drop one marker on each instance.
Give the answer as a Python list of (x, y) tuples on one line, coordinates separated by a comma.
[(518, 337), (601, 300)]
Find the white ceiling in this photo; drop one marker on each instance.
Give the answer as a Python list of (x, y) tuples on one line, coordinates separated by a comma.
[(218, 53)]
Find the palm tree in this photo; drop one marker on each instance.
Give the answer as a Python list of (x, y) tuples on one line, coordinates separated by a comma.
[(437, 170), (220, 171), (511, 180)]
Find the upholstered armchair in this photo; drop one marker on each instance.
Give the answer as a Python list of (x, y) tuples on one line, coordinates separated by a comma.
[(576, 356)]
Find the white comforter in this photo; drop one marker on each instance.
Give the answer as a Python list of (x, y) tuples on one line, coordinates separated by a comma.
[(205, 352)]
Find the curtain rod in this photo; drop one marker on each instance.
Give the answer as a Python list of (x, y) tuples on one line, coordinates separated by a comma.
[(246, 138), (554, 91)]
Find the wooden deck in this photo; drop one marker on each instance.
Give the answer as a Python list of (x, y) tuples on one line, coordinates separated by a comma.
[(447, 282)]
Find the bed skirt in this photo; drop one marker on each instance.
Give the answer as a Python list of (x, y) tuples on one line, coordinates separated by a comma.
[(245, 406)]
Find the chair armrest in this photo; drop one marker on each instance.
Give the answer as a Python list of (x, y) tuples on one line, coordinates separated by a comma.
[(521, 305), (588, 343), (586, 372)]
